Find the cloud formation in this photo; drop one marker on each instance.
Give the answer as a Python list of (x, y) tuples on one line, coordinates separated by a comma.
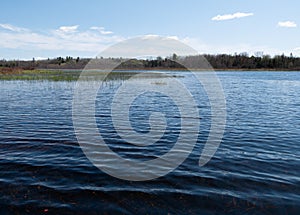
[(209, 48), (231, 16), (62, 39), (101, 30), (72, 40), (12, 28), (68, 29), (287, 24)]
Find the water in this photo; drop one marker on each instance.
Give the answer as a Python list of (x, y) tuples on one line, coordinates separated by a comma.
[(255, 170)]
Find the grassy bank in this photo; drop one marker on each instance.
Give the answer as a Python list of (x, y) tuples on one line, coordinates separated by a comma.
[(73, 75), (50, 75)]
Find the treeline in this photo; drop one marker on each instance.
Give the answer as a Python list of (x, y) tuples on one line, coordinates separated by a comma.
[(56, 63), (221, 61), (243, 61)]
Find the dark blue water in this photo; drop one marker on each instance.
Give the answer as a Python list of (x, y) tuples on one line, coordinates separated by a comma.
[(256, 169)]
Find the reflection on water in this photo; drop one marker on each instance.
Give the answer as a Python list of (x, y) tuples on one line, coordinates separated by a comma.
[(255, 170)]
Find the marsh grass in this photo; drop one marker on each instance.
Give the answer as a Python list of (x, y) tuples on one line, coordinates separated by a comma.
[(50, 75), (73, 75)]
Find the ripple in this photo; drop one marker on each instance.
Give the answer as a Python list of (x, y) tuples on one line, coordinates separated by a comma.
[(255, 169)]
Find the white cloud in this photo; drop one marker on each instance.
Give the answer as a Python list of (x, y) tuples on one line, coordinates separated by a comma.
[(96, 28), (68, 29), (64, 39), (91, 41), (101, 30), (12, 28), (150, 36), (231, 16), (206, 48), (287, 24), (173, 37), (147, 46)]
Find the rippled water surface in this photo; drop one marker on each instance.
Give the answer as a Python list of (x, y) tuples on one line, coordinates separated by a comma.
[(256, 169)]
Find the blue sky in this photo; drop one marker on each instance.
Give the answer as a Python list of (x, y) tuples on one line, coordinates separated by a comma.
[(84, 28)]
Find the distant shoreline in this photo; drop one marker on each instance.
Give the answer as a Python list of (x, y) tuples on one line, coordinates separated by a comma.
[(18, 71), (181, 69), (74, 74), (219, 62)]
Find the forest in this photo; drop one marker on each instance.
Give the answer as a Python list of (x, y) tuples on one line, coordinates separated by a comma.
[(218, 62)]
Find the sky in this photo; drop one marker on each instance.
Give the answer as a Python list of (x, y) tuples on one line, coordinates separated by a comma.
[(41, 29)]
